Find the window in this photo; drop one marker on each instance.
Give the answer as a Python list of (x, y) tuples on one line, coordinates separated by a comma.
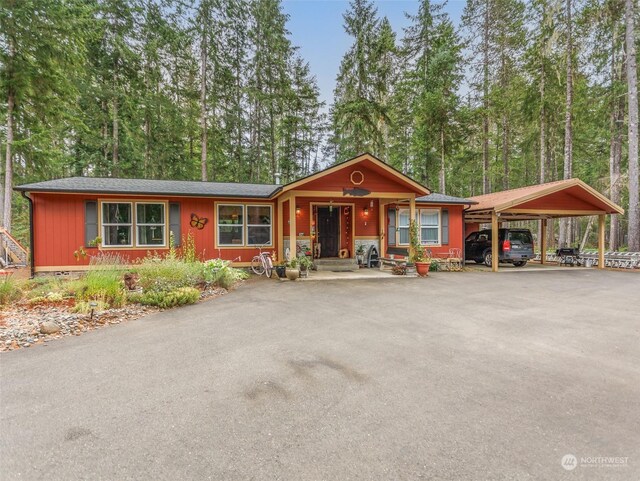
[(403, 226), (117, 224), (119, 229), (230, 225), (429, 227), (150, 223), (258, 225)]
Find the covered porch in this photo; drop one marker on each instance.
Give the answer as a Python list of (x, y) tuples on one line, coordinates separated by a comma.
[(332, 213)]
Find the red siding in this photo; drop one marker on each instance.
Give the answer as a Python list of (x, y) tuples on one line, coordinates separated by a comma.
[(59, 229), (375, 180), (455, 228)]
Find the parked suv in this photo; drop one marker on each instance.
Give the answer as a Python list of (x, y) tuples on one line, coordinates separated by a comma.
[(515, 246)]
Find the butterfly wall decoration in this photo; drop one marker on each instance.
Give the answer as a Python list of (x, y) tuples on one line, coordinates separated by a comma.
[(198, 222)]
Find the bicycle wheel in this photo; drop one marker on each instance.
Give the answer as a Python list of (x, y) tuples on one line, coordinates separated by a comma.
[(256, 266), (268, 266)]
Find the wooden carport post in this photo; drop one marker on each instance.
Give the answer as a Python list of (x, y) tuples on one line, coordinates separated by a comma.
[(602, 220), (543, 241), (494, 241)]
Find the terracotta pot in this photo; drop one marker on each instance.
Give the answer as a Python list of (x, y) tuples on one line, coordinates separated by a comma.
[(423, 268), (292, 274)]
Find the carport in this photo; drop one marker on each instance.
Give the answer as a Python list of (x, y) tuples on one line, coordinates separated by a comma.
[(563, 198)]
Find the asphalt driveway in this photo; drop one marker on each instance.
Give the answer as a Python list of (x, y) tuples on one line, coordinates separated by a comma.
[(459, 376)]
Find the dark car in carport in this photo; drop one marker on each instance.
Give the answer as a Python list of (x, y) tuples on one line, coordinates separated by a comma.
[(515, 246)]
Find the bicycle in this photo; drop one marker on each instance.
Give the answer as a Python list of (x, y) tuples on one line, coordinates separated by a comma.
[(262, 263)]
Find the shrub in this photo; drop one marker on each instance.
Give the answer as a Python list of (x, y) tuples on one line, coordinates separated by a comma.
[(41, 287), (167, 274), (102, 282), (167, 299), (217, 272), (9, 292)]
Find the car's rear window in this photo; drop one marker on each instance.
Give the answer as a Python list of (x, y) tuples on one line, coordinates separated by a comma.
[(521, 236)]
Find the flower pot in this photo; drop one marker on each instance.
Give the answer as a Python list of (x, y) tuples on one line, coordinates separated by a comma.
[(281, 271), (292, 274), (423, 268)]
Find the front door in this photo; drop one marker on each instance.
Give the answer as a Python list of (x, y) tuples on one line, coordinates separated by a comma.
[(329, 231)]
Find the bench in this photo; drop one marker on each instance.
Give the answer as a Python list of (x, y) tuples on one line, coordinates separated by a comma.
[(393, 261)]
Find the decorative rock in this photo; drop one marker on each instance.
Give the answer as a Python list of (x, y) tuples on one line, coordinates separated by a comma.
[(49, 327)]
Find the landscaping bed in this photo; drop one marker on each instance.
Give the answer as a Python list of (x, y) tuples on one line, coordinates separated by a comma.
[(37, 310)]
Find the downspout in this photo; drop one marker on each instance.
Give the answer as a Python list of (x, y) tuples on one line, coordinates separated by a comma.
[(464, 234), (32, 258)]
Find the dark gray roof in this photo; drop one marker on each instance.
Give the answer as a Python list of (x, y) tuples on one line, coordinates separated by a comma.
[(152, 187), (436, 198)]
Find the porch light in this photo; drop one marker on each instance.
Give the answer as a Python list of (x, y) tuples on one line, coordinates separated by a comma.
[(298, 210), (366, 212)]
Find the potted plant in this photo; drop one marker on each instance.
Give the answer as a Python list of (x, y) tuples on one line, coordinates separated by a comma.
[(360, 254), (293, 272), (280, 268), (416, 251), (306, 264)]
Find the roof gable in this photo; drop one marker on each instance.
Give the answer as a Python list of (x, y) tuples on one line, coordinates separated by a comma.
[(364, 172), (569, 194)]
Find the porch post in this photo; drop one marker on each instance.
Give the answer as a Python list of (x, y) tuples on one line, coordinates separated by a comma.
[(382, 226), (494, 241), (543, 241), (280, 231), (601, 225), (292, 227), (412, 208)]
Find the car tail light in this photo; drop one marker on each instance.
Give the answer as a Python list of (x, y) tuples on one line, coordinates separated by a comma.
[(506, 245)]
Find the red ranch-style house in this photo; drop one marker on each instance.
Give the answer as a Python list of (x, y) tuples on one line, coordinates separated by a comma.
[(361, 201)]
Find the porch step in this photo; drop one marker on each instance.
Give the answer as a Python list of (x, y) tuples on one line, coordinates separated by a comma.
[(336, 265)]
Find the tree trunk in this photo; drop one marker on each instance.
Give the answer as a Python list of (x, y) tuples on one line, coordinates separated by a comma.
[(203, 105), (505, 151), (1, 196), (587, 231), (632, 88), (543, 125), (566, 230), (114, 134), (615, 150), (442, 163), (105, 137), (485, 102), (8, 169)]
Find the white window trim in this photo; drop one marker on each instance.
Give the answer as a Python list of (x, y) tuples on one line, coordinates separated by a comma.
[(439, 227), (110, 224), (247, 225), (243, 224), (164, 224), (399, 227)]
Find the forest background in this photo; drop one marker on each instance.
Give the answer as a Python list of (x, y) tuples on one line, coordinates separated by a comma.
[(514, 93)]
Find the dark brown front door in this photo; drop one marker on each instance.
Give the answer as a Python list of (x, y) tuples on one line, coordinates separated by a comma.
[(329, 231)]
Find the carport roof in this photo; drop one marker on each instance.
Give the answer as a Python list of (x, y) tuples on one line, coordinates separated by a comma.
[(563, 198)]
